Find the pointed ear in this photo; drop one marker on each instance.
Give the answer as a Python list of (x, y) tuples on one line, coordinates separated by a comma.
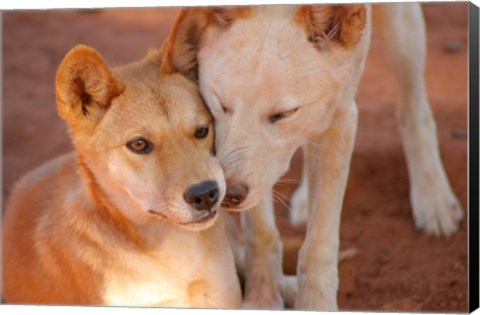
[(180, 49), (85, 87), (330, 25)]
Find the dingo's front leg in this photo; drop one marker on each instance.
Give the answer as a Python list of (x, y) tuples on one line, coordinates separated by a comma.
[(263, 258), (328, 162), (435, 208)]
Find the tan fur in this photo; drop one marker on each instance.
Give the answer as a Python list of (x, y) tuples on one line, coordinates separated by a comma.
[(285, 77), (327, 25), (107, 226), (180, 48)]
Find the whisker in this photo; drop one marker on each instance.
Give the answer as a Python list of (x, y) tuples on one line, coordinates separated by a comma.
[(279, 194), (278, 197), (233, 156), (235, 151), (288, 181)]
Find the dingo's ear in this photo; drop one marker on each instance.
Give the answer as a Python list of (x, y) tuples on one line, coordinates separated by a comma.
[(328, 25), (180, 49), (85, 87)]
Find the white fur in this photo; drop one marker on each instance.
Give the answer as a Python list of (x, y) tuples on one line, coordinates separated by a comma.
[(263, 64)]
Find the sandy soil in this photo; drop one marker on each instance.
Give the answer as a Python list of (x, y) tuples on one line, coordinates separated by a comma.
[(396, 267)]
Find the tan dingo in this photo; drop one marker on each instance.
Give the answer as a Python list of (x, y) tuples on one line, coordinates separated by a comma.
[(277, 78), (128, 219)]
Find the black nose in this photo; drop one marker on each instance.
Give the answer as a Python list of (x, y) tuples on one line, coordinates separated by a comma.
[(236, 194), (202, 196)]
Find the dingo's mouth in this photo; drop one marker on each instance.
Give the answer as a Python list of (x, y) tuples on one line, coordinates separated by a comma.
[(241, 207), (210, 216)]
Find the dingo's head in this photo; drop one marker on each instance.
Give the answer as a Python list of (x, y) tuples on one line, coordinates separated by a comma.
[(144, 139), (272, 78)]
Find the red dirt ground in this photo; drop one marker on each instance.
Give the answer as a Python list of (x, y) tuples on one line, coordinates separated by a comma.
[(396, 267)]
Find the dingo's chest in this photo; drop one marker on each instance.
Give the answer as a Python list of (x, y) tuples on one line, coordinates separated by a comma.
[(183, 271)]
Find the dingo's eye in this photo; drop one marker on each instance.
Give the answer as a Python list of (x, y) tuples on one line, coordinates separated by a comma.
[(280, 116), (140, 146), (201, 132)]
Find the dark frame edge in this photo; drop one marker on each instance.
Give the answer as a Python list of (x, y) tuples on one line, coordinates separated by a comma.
[(474, 158)]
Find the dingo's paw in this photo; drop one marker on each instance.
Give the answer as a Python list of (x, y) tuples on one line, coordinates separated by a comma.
[(436, 209), (289, 290), (316, 296)]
